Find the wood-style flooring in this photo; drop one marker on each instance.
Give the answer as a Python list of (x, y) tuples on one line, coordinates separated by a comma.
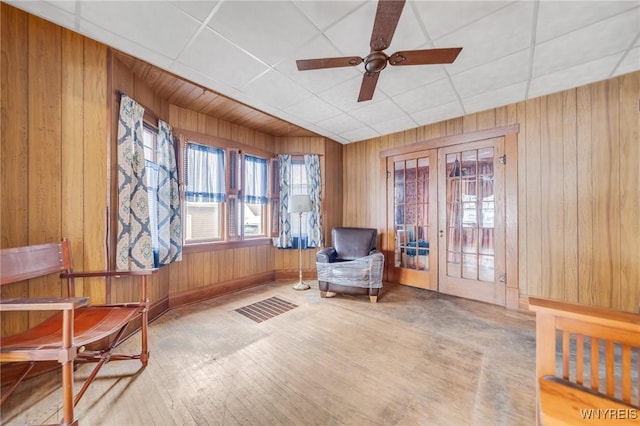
[(415, 358)]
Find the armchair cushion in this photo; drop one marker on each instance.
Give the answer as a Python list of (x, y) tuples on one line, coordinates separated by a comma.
[(353, 243)]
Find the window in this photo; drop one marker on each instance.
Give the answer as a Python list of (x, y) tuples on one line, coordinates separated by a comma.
[(205, 193), (299, 185), (226, 193), (255, 196), (150, 139)]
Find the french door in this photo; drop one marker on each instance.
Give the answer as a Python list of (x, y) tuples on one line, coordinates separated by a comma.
[(471, 220), (412, 194), (447, 210)]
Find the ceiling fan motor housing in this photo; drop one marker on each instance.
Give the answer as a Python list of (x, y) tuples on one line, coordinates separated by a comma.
[(375, 62)]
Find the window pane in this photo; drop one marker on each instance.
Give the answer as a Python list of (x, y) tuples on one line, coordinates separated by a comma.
[(202, 221), (253, 220)]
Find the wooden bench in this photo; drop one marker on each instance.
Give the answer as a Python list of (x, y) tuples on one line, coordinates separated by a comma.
[(65, 337), (587, 364)]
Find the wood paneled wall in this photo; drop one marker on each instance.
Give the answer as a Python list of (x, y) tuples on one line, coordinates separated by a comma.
[(578, 189), (54, 144), (59, 134)]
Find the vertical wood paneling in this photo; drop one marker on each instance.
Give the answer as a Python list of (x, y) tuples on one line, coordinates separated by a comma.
[(96, 160), (578, 196), (73, 147), (14, 160), (570, 197), (629, 120), (533, 222), (44, 140)]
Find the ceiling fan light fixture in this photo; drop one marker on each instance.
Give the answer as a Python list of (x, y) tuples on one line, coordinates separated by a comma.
[(375, 62)]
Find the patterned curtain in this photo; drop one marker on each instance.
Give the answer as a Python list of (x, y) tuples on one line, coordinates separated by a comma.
[(134, 249), (169, 225), (314, 225), (284, 239)]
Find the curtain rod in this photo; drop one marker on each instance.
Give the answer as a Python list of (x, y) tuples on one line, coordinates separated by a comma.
[(149, 111)]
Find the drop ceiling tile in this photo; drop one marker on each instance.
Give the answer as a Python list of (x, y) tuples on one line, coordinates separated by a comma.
[(162, 28), (567, 78), (556, 18), (198, 9), (344, 96), (409, 34), (210, 54), (506, 31), (499, 73), (428, 96), (276, 89), (313, 110), (352, 34), (317, 80), (444, 17), (396, 125), (341, 124), (371, 113), (265, 30), (396, 80), (324, 13), (586, 44), (498, 97), (439, 113), (630, 63), (360, 134)]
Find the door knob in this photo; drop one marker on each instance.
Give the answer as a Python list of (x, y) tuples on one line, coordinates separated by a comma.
[(441, 233)]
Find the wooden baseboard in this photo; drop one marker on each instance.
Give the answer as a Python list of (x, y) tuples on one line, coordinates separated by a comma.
[(218, 289)]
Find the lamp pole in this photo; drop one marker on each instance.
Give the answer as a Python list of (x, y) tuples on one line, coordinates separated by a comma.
[(300, 285)]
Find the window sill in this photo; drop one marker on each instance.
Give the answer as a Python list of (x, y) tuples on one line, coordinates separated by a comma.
[(225, 245)]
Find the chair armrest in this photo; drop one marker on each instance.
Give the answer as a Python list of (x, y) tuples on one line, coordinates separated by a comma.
[(43, 303), (107, 273), (326, 255), (375, 250)]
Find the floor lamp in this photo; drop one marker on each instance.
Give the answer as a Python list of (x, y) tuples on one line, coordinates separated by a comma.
[(299, 204)]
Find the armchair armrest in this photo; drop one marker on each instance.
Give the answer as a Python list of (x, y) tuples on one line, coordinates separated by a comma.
[(43, 303), (326, 255), (373, 251)]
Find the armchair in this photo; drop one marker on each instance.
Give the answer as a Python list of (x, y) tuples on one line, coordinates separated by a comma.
[(353, 265)]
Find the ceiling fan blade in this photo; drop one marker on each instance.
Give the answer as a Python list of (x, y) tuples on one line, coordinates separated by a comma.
[(314, 64), (369, 81), (387, 17), (425, 57)]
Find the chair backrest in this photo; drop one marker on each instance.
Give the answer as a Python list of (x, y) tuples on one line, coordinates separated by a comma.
[(353, 243), (23, 263)]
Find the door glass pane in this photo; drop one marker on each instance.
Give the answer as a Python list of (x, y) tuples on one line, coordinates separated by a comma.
[(469, 216), (411, 206)]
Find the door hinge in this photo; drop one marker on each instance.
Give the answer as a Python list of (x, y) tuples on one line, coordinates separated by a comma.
[(388, 174), (503, 278), (503, 159)]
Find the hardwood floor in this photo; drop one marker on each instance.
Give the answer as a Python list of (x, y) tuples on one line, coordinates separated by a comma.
[(414, 358)]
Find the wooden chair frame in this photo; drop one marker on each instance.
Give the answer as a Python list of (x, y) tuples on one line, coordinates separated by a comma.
[(65, 336), (563, 396)]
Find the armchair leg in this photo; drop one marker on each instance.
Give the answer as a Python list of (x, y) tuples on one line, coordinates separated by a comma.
[(323, 294), (374, 299)]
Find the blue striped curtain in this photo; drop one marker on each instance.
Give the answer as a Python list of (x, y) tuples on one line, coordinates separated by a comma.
[(284, 240), (169, 224), (255, 180), (314, 185), (134, 249), (205, 174)]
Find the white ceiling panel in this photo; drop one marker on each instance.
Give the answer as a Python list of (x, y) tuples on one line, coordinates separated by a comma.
[(587, 44), (212, 55), (246, 49), (445, 17), (266, 29), (556, 18), (503, 32), (428, 96), (168, 40)]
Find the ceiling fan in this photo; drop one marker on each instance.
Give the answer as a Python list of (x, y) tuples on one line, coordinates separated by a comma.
[(386, 21)]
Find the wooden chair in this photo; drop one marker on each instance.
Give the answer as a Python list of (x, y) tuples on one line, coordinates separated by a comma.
[(66, 335), (593, 344)]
